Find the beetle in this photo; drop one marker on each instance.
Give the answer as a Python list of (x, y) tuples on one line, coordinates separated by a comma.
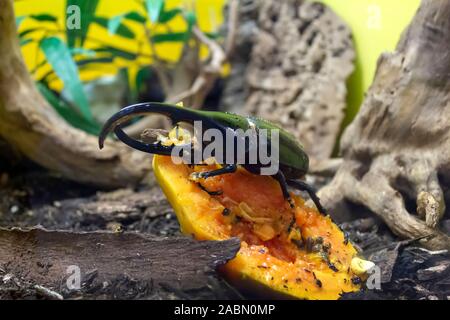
[(293, 160)]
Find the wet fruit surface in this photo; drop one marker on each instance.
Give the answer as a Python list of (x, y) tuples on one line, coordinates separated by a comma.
[(293, 251)]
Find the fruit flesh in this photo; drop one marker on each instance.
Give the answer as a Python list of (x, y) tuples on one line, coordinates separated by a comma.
[(295, 252)]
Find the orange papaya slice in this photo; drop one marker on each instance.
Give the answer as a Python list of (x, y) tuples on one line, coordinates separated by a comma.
[(288, 252)]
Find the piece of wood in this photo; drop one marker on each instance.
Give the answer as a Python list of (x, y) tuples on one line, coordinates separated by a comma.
[(397, 151), (38, 198), (177, 265), (301, 58), (29, 124)]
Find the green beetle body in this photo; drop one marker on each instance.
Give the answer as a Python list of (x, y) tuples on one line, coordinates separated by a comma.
[(293, 161)]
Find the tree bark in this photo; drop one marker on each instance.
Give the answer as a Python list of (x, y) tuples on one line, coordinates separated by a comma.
[(301, 58), (32, 126), (114, 264), (397, 150)]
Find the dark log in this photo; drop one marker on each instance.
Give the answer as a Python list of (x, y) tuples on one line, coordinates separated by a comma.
[(114, 263)]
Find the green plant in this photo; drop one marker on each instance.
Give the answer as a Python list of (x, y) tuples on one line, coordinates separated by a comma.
[(66, 51)]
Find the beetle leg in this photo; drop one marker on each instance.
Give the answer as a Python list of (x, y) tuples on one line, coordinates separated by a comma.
[(211, 193), (303, 186), (284, 187), (230, 168)]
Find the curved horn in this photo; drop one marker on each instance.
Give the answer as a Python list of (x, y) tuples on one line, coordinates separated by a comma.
[(125, 115), (152, 148), (175, 113)]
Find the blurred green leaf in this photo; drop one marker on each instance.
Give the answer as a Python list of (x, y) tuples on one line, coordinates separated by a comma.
[(154, 8), (166, 16), (169, 37), (122, 30), (28, 31), (139, 81), (87, 10), (178, 36), (117, 52), (135, 16), (68, 112), (44, 17), (142, 75), (191, 20), (83, 51), (212, 35), (19, 20), (85, 62), (24, 42), (60, 58), (115, 22), (38, 66)]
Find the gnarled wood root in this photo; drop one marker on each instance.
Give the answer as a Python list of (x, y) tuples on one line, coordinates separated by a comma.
[(397, 150), (30, 124), (112, 265), (301, 58)]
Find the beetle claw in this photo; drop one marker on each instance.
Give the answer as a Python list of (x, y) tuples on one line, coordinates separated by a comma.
[(211, 193), (303, 186), (291, 202)]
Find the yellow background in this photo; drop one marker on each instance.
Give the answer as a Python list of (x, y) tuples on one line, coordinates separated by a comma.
[(376, 26), (209, 14)]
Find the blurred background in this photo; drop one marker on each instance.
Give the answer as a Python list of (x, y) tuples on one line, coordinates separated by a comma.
[(112, 57)]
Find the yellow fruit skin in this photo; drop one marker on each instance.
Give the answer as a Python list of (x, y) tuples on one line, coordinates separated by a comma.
[(199, 214)]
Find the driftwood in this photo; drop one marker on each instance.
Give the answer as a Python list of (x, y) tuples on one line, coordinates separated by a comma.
[(301, 58), (396, 152), (37, 198), (30, 124), (116, 265)]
